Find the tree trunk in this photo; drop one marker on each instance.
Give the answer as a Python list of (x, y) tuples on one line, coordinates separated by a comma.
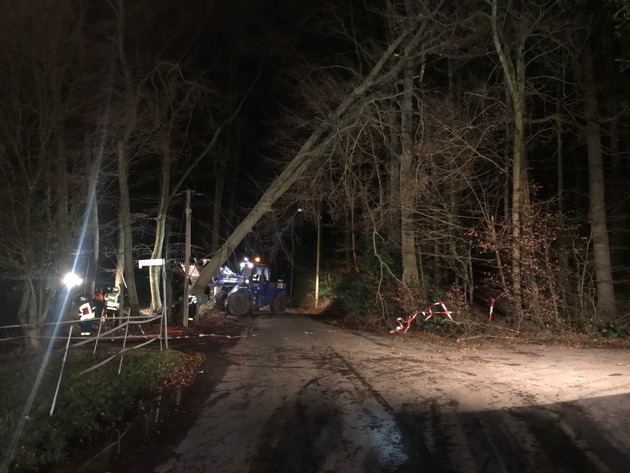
[(168, 297), (125, 223), (93, 225), (217, 221), (158, 245), (519, 188), (128, 119), (407, 230), (563, 257), (606, 304), (311, 149), (394, 185), (61, 178), (119, 278), (28, 317), (512, 62), (279, 186), (96, 242)]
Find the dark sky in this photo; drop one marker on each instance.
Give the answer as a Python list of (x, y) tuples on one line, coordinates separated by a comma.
[(236, 45), (233, 45)]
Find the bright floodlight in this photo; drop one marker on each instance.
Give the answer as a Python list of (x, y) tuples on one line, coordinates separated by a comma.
[(70, 280)]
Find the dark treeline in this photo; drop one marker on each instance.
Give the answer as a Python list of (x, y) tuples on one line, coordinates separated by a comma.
[(487, 160), (468, 150)]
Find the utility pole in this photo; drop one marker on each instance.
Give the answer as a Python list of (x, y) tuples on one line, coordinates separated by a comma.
[(293, 237), (319, 234), (186, 261)]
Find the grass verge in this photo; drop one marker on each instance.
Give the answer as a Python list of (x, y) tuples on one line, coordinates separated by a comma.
[(86, 403)]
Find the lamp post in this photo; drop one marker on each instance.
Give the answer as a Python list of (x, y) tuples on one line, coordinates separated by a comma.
[(319, 235), (293, 251), (185, 301)]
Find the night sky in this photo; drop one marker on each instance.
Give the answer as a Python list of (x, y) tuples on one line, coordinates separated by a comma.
[(247, 49)]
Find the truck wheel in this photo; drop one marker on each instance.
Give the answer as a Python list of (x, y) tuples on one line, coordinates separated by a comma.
[(221, 299), (238, 302), (279, 303)]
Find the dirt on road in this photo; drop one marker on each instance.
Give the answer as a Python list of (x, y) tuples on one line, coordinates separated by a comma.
[(297, 395)]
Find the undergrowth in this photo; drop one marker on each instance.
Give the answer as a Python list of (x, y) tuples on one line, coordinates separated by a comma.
[(614, 329), (85, 405)]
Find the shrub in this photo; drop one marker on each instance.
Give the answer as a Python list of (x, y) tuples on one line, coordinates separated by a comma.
[(86, 403), (615, 329)]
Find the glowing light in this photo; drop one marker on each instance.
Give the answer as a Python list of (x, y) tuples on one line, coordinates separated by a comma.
[(246, 263), (71, 280), (257, 259)]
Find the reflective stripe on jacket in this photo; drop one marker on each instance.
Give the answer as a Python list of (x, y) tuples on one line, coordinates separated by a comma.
[(112, 300), (86, 311)]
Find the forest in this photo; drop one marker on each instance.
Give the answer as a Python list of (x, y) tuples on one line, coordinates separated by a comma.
[(466, 151)]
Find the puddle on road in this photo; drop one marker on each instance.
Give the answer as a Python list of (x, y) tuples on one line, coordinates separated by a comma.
[(386, 445)]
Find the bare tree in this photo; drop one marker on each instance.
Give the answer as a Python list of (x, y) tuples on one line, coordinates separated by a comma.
[(172, 103), (129, 101), (411, 63), (439, 138), (511, 54), (42, 167), (314, 147), (606, 303)]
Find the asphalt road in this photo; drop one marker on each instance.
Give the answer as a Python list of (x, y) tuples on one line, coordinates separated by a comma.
[(295, 395)]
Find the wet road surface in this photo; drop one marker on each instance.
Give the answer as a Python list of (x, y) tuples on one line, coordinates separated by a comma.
[(295, 395), (301, 396)]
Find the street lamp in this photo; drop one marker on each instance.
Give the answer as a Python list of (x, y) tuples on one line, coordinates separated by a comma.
[(299, 210), (319, 236)]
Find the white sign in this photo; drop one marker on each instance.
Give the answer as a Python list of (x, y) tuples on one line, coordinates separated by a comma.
[(151, 262)]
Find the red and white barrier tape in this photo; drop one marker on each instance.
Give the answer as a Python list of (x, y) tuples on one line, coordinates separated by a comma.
[(427, 314), (170, 337), (402, 322), (443, 312)]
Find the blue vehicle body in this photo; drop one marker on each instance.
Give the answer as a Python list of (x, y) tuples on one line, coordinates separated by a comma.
[(249, 291)]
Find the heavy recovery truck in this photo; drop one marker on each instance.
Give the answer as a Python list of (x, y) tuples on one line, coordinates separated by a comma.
[(249, 290)]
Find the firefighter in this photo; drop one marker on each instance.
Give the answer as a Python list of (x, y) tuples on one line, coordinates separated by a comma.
[(86, 316), (99, 303), (112, 302)]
